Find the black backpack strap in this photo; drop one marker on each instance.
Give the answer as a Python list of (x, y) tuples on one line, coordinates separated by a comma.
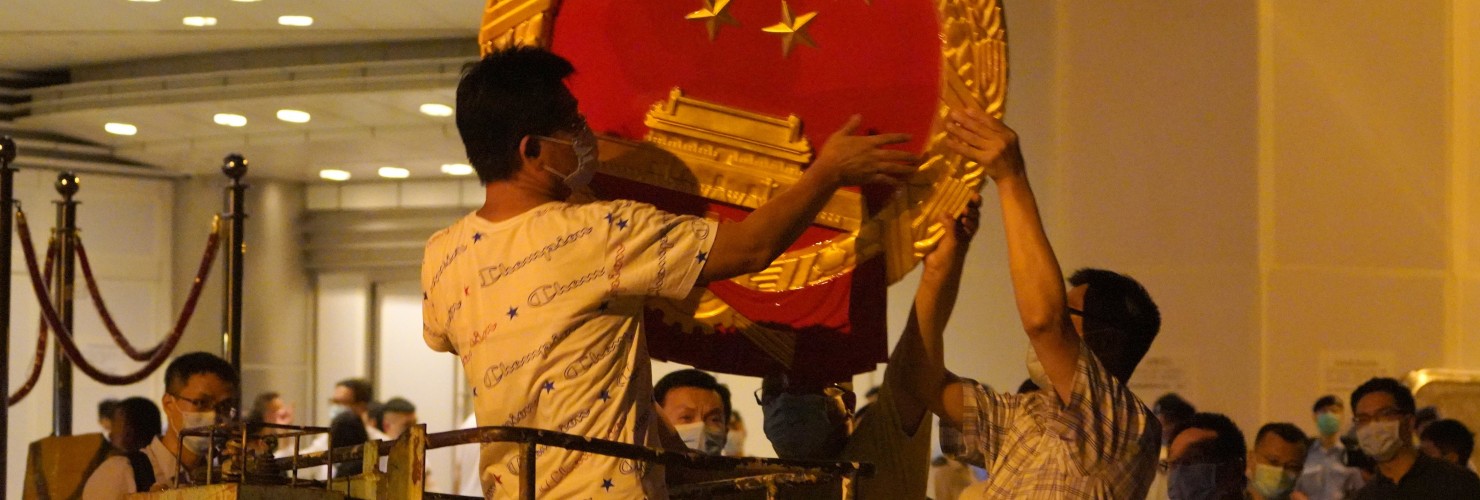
[(143, 470)]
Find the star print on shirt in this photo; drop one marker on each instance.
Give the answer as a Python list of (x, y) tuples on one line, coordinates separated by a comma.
[(549, 386), (604, 396), (513, 311), (622, 223), (477, 236), (606, 484), (610, 217), (703, 256)]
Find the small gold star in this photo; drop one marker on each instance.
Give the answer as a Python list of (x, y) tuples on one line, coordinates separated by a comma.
[(792, 29), (714, 14)]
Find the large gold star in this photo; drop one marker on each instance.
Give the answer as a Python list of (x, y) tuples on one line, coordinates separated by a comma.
[(714, 14), (792, 29)]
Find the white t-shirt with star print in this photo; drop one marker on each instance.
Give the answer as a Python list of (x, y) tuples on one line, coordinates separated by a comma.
[(545, 310)]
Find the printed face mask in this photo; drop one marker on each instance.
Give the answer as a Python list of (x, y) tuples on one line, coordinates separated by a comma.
[(1379, 440), (702, 438), (1273, 482)]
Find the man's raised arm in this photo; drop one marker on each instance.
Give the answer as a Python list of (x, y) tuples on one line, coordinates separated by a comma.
[(845, 160), (1037, 281), (931, 385)]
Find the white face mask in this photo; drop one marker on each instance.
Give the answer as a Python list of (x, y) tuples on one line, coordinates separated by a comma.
[(192, 419), (584, 144), (336, 410), (1379, 440), (702, 438), (734, 444), (1273, 482), (1035, 370)]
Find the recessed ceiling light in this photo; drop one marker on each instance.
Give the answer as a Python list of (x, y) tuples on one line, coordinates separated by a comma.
[(394, 172), (145, 1), (230, 120), (434, 109), (295, 20), (238, 1), (457, 169), (293, 116), (120, 129), (199, 21), (333, 174)]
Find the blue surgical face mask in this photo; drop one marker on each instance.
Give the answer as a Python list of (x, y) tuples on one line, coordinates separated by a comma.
[(1328, 423), (1192, 482), (1273, 482)]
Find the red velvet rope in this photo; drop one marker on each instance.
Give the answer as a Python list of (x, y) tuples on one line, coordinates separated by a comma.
[(49, 313), (24, 390), (92, 289)]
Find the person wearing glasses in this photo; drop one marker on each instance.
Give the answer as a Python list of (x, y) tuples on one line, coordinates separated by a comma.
[(1084, 434), (1382, 413), (1276, 461), (1206, 460), (542, 298), (198, 389)]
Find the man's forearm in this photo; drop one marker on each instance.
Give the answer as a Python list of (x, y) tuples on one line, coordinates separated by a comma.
[(924, 341), (1037, 282), (764, 234)]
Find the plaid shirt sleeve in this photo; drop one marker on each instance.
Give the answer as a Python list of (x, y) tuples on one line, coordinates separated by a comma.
[(985, 420), (1103, 422)]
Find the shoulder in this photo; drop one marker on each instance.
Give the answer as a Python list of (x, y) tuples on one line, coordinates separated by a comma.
[(113, 475)]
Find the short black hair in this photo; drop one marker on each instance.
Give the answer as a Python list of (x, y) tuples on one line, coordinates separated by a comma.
[(1325, 401), (509, 94), (1228, 446), (692, 378), (197, 363), (1120, 319), (1401, 395), (359, 388), (105, 408), (142, 419), (1451, 436), (398, 405), (1173, 407), (1426, 415), (1286, 431)]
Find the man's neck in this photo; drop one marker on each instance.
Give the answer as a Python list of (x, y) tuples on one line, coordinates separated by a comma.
[(1399, 466), (506, 199), (171, 441), (1330, 441)]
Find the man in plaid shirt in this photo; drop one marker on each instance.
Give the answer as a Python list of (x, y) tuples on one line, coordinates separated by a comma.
[(1084, 434)]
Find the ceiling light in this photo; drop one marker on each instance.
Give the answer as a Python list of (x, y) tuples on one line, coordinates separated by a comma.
[(434, 109), (199, 21), (394, 172), (457, 169), (293, 116), (120, 128), (231, 120), (333, 175), (145, 1), (295, 20), (239, 1)]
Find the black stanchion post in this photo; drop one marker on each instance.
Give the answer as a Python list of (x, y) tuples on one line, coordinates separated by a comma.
[(61, 419), (235, 167), (7, 216)]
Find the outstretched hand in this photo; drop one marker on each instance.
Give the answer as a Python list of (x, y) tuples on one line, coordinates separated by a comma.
[(856, 160), (984, 139)]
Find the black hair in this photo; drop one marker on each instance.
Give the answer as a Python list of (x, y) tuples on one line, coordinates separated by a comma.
[(1120, 319), (398, 405), (1172, 407), (692, 378), (359, 388), (1228, 446), (258, 413), (140, 422), (105, 408), (1426, 415), (510, 94), (1286, 431), (1401, 395), (1028, 386), (1450, 436), (197, 363), (1325, 401)]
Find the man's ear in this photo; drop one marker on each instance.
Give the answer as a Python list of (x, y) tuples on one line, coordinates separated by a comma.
[(529, 147)]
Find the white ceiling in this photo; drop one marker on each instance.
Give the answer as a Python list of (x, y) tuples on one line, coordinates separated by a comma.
[(354, 128)]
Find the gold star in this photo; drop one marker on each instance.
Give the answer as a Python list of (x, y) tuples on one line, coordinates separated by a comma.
[(792, 29), (714, 14)]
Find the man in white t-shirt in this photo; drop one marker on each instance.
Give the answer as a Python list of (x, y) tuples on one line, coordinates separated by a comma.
[(543, 299)]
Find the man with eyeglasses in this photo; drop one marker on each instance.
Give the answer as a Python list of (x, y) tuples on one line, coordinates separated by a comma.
[(1382, 413), (1205, 460), (542, 298), (1276, 461), (198, 389)]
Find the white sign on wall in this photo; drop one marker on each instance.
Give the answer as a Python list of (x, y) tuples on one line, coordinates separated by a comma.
[(1163, 373)]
